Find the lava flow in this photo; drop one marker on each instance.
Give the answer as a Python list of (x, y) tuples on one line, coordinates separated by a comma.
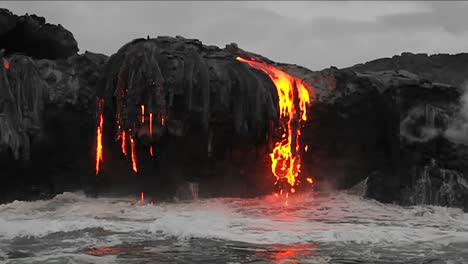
[(123, 144), (99, 137), (293, 96), (134, 162)]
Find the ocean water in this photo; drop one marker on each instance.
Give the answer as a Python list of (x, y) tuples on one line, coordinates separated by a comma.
[(315, 227)]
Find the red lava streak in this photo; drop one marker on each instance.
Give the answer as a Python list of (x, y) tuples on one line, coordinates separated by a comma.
[(151, 131), (134, 162), (293, 99), (123, 144), (99, 158), (142, 196), (151, 124)]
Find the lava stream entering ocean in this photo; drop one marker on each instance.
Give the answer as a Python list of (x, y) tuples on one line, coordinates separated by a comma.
[(99, 158), (293, 99)]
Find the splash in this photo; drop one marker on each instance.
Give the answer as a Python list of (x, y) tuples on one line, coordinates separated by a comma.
[(99, 158), (293, 99)]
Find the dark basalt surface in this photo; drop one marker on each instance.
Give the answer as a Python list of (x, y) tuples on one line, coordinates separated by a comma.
[(442, 68), (385, 128), (46, 124), (32, 36)]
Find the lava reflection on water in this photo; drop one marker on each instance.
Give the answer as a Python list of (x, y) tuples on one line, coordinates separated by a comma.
[(284, 253)]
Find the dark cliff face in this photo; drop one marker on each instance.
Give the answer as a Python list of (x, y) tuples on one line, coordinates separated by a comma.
[(46, 123), (215, 123), (212, 118), (32, 36)]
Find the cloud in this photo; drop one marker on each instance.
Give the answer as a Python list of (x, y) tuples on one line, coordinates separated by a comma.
[(310, 33)]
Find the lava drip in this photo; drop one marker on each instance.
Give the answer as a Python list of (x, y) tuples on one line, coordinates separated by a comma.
[(151, 131), (123, 143), (293, 99), (134, 161), (99, 148)]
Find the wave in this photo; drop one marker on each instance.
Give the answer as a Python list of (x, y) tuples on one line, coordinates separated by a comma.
[(311, 217)]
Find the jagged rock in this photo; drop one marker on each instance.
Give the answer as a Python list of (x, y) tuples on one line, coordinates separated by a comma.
[(31, 35)]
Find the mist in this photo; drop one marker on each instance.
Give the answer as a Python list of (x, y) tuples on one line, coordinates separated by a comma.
[(458, 129)]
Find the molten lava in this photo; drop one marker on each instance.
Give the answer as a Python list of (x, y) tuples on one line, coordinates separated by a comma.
[(151, 131), (142, 196), (142, 113), (99, 158), (134, 162), (151, 124), (293, 99), (123, 144)]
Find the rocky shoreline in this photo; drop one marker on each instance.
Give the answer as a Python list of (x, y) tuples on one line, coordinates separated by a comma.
[(388, 123)]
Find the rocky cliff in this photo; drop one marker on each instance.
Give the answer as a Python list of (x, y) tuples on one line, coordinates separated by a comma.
[(442, 68), (215, 121)]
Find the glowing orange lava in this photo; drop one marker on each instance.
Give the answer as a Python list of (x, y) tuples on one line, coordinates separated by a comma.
[(142, 113), (142, 196), (123, 144), (134, 162), (293, 99), (99, 158)]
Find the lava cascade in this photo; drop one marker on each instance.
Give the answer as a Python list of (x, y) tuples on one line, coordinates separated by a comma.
[(293, 99), (99, 158)]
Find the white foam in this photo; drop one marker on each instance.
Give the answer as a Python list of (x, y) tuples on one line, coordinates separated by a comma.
[(337, 218)]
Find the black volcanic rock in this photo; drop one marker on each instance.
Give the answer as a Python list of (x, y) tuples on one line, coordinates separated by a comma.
[(32, 36), (385, 127), (47, 119), (443, 68), (383, 123), (217, 111)]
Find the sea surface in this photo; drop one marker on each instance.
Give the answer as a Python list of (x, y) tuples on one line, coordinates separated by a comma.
[(315, 227)]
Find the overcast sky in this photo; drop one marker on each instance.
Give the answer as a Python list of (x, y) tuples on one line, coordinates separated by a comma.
[(310, 33)]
